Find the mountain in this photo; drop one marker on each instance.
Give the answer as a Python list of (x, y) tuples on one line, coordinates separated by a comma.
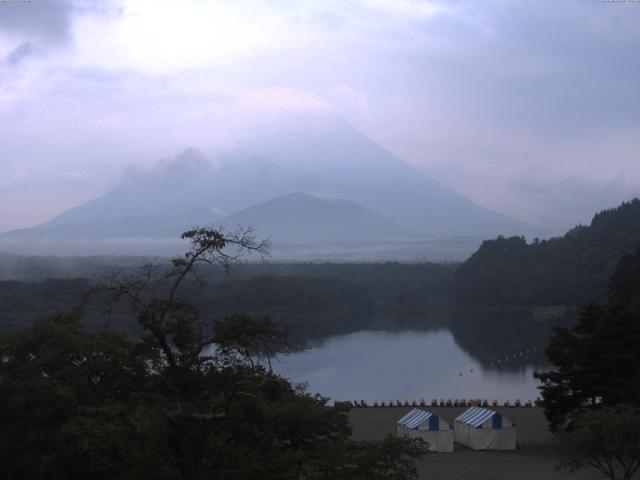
[(318, 155), (569, 270), (161, 202), (144, 214), (329, 157), (128, 225), (300, 218)]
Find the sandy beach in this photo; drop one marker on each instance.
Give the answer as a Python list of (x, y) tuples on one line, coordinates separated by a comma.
[(534, 459)]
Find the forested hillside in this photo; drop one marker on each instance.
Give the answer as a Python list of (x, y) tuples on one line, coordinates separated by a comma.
[(568, 270)]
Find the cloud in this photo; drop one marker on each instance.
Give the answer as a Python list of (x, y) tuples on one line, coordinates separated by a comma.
[(28, 27), (565, 201), (73, 175), (480, 95), (349, 98), (420, 8), (19, 53), (46, 22)]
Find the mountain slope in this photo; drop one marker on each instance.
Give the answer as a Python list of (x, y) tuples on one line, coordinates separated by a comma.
[(570, 270), (158, 204), (329, 157), (161, 226), (299, 218)]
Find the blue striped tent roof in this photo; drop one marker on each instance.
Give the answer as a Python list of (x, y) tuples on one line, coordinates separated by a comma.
[(415, 418), (475, 416)]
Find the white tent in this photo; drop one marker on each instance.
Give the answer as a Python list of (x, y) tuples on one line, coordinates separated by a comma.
[(483, 429), (428, 426)]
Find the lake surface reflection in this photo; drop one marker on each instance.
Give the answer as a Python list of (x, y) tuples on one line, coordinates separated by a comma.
[(411, 365)]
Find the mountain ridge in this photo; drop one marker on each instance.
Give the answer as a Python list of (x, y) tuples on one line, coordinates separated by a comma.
[(307, 219)]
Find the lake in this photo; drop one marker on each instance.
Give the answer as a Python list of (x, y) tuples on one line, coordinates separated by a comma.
[(408, 365)]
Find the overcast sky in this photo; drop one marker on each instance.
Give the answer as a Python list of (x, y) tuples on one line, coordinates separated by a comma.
[(531, 108)]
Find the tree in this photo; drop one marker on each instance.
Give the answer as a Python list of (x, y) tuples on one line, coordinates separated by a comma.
[(76, 405), (172, 325), (598, 360), (607, 439), (568, 270), (254, 339), (393, 458), (63, 398)]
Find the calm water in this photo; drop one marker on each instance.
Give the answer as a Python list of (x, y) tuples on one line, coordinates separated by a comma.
[(404, 365)]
